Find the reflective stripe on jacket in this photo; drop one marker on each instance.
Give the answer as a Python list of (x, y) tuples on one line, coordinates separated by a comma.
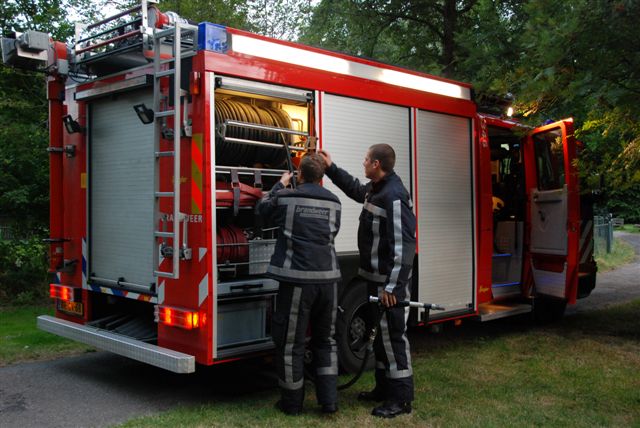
[(309, 219), (387, 229)]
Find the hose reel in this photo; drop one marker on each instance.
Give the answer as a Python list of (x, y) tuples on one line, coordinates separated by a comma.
[(232, 153)]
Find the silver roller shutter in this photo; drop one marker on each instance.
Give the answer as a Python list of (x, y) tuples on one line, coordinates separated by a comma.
[(445, 210), (349, 128), (121, 190)]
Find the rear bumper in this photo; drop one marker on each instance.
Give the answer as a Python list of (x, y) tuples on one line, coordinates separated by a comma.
[(151, 354)]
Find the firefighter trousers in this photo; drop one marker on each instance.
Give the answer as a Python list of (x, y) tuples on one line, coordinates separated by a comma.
[(296, 305), (394, 374)]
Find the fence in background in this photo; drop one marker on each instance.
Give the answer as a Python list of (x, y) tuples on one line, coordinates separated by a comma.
[(603, 232)]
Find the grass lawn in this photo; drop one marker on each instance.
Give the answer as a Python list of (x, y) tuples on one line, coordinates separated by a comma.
[(22, 341), (581, 372), (621, 254), (631, 228)]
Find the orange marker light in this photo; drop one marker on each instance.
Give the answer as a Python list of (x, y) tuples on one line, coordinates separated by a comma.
[(177, 317)]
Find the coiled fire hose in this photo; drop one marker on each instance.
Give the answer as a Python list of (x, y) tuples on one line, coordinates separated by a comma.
[(374, 332)]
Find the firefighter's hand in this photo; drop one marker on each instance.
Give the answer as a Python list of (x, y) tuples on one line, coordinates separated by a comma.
[(326, 157), (286, 178), (388, 299)]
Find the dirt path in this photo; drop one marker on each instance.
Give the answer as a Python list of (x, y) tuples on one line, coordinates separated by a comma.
[(616, 286)]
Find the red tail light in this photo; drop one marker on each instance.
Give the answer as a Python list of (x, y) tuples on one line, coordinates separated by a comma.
[(176, 317), (63, 292)]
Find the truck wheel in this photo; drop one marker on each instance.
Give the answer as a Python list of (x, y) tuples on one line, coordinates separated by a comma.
[(549, 310), (352, 326)]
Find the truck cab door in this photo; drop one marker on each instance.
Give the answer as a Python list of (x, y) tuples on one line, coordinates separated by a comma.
[(554, 217)]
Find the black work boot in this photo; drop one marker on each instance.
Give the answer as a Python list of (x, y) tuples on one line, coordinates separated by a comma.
[(391, 409)]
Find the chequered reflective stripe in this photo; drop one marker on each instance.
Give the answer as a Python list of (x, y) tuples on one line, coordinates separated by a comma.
[(586, 241), (196, 174), (122, 293), (161, 293), (203, 289), (84, 263)]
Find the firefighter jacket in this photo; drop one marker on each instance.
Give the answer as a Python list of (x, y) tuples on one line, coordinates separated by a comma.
[(309, 219), (387, 230)]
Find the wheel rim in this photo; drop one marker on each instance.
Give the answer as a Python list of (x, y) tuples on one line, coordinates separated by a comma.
[(357, 331)]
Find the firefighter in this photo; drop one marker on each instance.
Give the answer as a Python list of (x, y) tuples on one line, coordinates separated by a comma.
[(305, 264), (386, 240)]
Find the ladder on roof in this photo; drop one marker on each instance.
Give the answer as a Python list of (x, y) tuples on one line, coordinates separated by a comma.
[(170, 68)]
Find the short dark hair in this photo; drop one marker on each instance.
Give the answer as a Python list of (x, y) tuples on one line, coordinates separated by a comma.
[(384, 154), (312, 168)]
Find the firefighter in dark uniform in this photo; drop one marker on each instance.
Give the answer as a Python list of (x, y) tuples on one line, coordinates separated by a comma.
[(386, 240), (305, 264)]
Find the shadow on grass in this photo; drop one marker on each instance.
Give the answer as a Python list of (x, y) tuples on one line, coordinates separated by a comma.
[(620, 321)]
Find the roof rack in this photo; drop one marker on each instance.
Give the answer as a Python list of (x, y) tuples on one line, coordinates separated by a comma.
[(122, 41)]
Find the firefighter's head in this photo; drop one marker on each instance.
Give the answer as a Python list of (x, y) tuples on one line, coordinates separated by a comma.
[(311, 169), (379, 160)]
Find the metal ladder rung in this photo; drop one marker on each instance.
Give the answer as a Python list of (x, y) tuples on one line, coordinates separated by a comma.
[(165, 113), (164, 73), (159, 234), (163, 274), (183, 37)]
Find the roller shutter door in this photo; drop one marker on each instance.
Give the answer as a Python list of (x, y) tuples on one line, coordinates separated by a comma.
[(349, 128), (445, 210), (121, 190)]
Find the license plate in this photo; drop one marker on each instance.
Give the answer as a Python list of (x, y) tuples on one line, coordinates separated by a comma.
[(73, 308)]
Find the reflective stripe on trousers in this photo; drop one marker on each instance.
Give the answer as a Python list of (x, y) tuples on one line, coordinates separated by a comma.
[(296, 305)]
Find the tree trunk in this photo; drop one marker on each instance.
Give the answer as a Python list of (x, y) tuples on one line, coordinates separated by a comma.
[(449, 18)]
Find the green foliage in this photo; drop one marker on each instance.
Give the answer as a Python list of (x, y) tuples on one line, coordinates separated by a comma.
[(23, 270), (24, 165), (232, 13), (563, 59), (417, 34), (281, 19), (560, 59)]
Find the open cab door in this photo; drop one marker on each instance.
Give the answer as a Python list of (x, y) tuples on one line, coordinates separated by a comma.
[(554, 216)]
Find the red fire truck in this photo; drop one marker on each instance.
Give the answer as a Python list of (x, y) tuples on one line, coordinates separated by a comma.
[(163, 134)]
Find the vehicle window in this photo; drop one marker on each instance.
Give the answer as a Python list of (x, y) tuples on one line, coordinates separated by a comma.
[(549, 152)]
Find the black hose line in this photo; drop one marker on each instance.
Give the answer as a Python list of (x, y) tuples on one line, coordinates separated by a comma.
[(372, 335)]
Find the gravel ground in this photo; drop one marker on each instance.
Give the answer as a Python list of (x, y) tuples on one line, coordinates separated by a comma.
[(616, 286)]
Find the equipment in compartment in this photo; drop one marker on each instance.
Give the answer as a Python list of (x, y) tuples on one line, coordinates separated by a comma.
[(229, 153), (232, 245), (507, 176)]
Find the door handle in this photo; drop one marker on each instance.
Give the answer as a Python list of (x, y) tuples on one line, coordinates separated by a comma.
[(543, 217)]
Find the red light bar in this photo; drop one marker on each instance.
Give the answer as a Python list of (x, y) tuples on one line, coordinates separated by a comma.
[(63, 292), (176, 317)]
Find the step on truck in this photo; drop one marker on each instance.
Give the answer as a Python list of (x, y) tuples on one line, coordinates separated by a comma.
[(164, 133)]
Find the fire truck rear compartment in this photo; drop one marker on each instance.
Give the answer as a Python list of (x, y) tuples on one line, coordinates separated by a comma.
[(507, 177), (253, 158), (123, 316)]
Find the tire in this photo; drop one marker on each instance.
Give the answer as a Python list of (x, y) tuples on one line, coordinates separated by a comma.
[(547, 310), (352, 327)]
